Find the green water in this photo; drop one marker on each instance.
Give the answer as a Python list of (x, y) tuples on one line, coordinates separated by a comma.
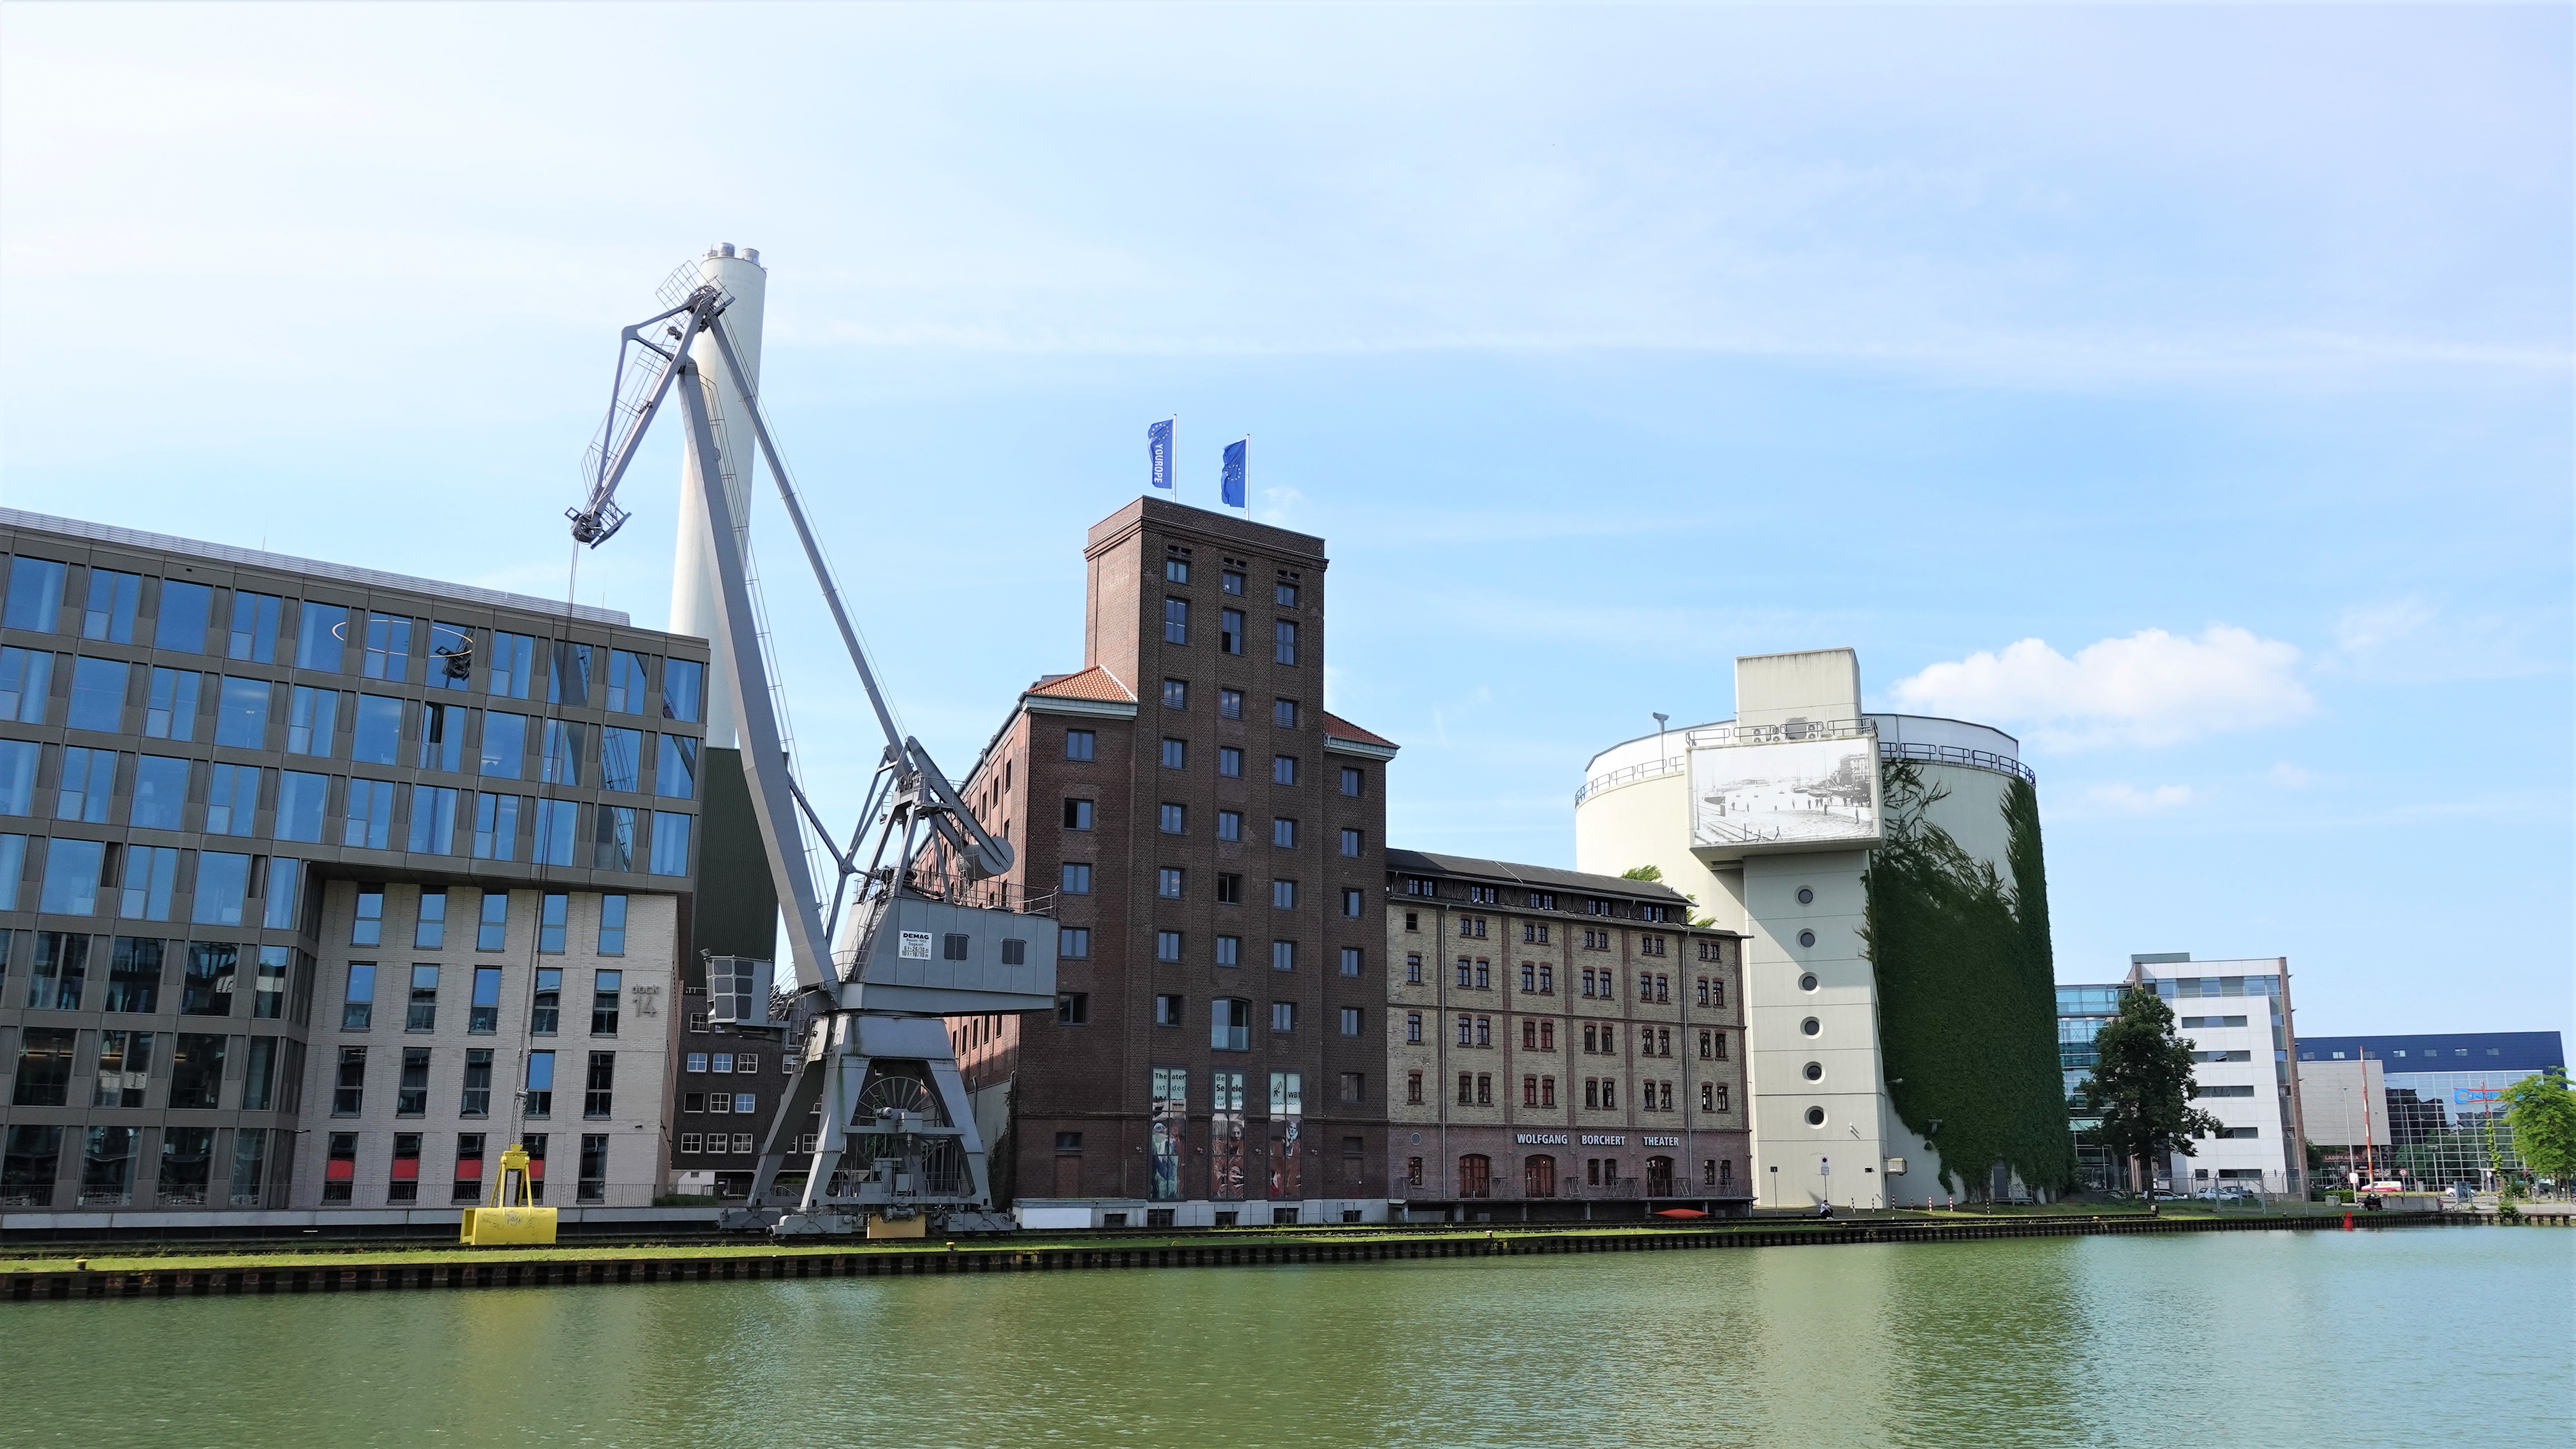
[(2403, 1337)]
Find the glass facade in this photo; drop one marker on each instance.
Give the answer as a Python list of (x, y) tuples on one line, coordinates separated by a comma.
[(199, 747)]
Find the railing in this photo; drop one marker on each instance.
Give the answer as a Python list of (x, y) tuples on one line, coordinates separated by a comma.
[(1627, 776), (1954, 755), (965, 888)]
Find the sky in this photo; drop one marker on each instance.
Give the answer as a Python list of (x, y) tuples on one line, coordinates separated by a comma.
[(2185, 391)]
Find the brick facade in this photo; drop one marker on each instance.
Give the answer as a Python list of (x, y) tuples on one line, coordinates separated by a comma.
[(1559, 1045), (1194, 741)]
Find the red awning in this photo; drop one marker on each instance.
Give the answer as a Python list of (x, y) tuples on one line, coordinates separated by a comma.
[(1679, 1213)]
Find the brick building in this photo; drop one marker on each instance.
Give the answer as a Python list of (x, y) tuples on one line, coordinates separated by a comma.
[(320, 885), (1559, 1045), (1212, 841)]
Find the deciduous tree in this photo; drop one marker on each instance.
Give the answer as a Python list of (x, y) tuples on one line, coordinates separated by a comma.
[(2142, 1085)]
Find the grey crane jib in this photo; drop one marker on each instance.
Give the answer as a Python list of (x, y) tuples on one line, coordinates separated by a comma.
[(928, 932)]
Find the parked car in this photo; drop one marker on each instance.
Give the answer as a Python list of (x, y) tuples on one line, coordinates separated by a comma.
[(2386, 1189)]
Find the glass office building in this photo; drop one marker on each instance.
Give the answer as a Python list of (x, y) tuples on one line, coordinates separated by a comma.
[(2443, 1123), (306, 869)]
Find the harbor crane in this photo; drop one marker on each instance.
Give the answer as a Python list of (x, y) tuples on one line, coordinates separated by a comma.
[(925, 921)]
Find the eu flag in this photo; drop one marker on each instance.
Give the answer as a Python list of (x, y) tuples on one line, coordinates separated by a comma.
[(1234, 473), (1158, 453)]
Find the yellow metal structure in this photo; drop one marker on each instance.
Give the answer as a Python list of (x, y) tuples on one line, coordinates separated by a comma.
[(513, 1219), (880, 1226)]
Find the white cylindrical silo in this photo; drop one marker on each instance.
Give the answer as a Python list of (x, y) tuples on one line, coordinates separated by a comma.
[(693, 567)]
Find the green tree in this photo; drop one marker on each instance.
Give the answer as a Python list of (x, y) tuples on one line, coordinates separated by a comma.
[(2142, 1085), (1643, 872), (2541, 1112)]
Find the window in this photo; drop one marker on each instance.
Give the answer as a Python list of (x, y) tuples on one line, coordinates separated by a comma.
[(1230, 1024), (1080, 744), (1077, 878), (1176, 621), (1072, 1008), (1077, 815), (1542, 901), (26, 681), (592, 1184), (496, 826), (1168, 881), (598, 1087), (1466, 1089), (1168, 1010), (1708, 951), (35, 594), (411, 1090), (1176, 694), (110, 612), (1229, 950), (1354, 1090), (1175, 818), (1283, 895), (1229, 639), (1546, 979), (1229, 762), (612, 925), (1283, 713), (1350, 960), (358, 1003), (1351, 844), (1466, 973), (1167, 945), (625, 693), (1283, 955), (1073, 943), (1176, 753), (1176, 571), (349, 1088), (309, 716), (1283, 832), (683, 687), (1284, 642), (603, 1002), (420, 1007), (1413, 1028), (545, 1009), (1283, 769), (1475, 1175), (1412, 968), (98, 699), (1350, 1021), (1466, 1031), (675, 770)]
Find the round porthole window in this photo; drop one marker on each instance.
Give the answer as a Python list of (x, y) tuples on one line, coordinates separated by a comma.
[(1806, 938), (1807, 982), (1806, 897), (1815, 1116), (1815, 1071), (1811, 1026)]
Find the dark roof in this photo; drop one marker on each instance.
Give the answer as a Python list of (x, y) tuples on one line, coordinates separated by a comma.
[(2436, 1051), (1342, 729), (1423, 862)]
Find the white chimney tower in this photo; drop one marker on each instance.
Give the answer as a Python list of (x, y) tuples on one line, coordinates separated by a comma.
[(693, 567)]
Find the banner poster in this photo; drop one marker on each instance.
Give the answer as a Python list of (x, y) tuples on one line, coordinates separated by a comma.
[(1225, 1137), (1170, 1128), (1287, 1109), (1820, 792)]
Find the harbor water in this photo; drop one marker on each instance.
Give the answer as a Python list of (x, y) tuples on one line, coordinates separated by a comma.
[(2394, 1337)]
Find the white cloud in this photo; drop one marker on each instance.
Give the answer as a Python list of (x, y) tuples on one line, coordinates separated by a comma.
[(1278, 503), (2130, 799), (2292, 777), (2416, 640), (2151, 688)]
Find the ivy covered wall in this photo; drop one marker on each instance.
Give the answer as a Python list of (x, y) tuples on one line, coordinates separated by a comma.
[(1967, 990)]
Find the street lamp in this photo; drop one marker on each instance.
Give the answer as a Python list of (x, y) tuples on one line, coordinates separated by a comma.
[(1660, 718)]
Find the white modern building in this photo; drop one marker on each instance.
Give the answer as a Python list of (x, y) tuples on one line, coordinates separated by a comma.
[(1767, 821), (2236, 1015)]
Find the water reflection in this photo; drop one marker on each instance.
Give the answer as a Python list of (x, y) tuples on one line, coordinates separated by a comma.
[(2221, 1339)]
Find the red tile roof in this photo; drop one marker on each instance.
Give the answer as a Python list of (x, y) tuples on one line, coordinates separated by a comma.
[(1342, 729), (1092, 683)]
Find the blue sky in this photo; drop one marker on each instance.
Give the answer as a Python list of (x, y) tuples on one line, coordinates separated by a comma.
[(2185, 390)]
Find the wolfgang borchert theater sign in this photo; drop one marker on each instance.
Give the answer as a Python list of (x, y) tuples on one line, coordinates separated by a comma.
[(1783, 795)]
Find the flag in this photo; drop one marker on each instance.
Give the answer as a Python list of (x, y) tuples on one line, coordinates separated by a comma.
[(1158, 453), (1234, 473)]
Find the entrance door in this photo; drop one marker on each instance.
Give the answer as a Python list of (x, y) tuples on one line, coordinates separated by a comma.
[(1659, 1177), (1538, 1176)]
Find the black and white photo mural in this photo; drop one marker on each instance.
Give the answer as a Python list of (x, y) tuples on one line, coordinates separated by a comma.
[(1785, 795)]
